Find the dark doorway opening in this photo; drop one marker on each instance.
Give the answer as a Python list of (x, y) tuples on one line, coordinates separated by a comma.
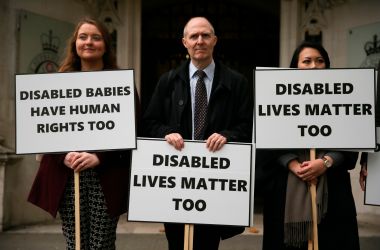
[(247, 31)]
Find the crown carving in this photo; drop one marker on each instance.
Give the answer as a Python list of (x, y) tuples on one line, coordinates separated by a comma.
[(372, 47), (50, 42)]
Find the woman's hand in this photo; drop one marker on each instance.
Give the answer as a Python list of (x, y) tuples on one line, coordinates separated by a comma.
[(311, 170), (363, 176), (294, 166), (308, 170), (79, 161)]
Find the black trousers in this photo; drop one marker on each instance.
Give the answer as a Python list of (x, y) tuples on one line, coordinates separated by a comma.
[(206, 237)]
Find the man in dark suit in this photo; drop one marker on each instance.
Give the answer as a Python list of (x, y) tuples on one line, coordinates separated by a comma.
[(171, 115)]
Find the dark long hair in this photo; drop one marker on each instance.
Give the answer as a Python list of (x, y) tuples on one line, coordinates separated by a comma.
[(72, 62), (305, 44)]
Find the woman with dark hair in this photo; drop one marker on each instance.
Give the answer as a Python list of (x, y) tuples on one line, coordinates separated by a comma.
[(287, 204), (310, 55), (104, 176)]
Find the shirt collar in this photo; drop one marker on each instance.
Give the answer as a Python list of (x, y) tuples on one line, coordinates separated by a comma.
[(209, 70)]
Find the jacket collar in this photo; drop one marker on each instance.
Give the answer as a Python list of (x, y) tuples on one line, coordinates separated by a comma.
[(220, 76)]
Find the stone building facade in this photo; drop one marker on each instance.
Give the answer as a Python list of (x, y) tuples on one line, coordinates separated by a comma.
[(333, 22)]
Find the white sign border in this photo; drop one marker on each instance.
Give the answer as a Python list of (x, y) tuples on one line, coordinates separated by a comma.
[(250, 213), (132, 143), (278, 69)]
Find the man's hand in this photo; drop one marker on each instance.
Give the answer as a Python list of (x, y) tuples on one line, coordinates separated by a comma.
[(363, 176), (215, 142), (175, 140)]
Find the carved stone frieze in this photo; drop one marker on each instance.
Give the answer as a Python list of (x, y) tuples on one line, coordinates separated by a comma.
[(314, 19), (105, 11)]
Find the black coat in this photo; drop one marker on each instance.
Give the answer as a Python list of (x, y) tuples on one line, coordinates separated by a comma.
[(52, 177), (338, 230), (230, 111), (230, 107)]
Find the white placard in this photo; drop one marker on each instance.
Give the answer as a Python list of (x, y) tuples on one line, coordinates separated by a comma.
[(192, 186), (79, 111), (316, 108), (372, 186), (372, 194)]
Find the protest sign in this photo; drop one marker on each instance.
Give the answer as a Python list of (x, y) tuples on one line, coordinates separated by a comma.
[(315, 108), (78, 111), (190, 186), (372, 185)]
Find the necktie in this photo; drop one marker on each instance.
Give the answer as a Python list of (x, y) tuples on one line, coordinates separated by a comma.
[(200, 109)]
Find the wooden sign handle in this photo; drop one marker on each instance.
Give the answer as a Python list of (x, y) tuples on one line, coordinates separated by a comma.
[(313, 244), (189, 235)]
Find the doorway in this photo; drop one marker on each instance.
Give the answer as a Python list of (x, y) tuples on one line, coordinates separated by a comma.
[(247, 31)]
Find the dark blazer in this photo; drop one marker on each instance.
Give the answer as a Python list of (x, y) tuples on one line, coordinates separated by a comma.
[(230, 107), (52, 176), (230, 110)]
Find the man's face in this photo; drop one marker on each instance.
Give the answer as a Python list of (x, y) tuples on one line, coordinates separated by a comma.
[(199, 40)]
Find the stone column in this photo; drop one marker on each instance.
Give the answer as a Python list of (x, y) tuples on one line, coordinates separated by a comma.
[(6, 156), (289, 29), (129, 38)]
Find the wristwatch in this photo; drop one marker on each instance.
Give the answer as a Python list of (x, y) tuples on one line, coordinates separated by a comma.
[(326, 162)]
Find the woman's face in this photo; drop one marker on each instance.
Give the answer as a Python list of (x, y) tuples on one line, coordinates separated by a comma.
[(310, 58), (90, 44)]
